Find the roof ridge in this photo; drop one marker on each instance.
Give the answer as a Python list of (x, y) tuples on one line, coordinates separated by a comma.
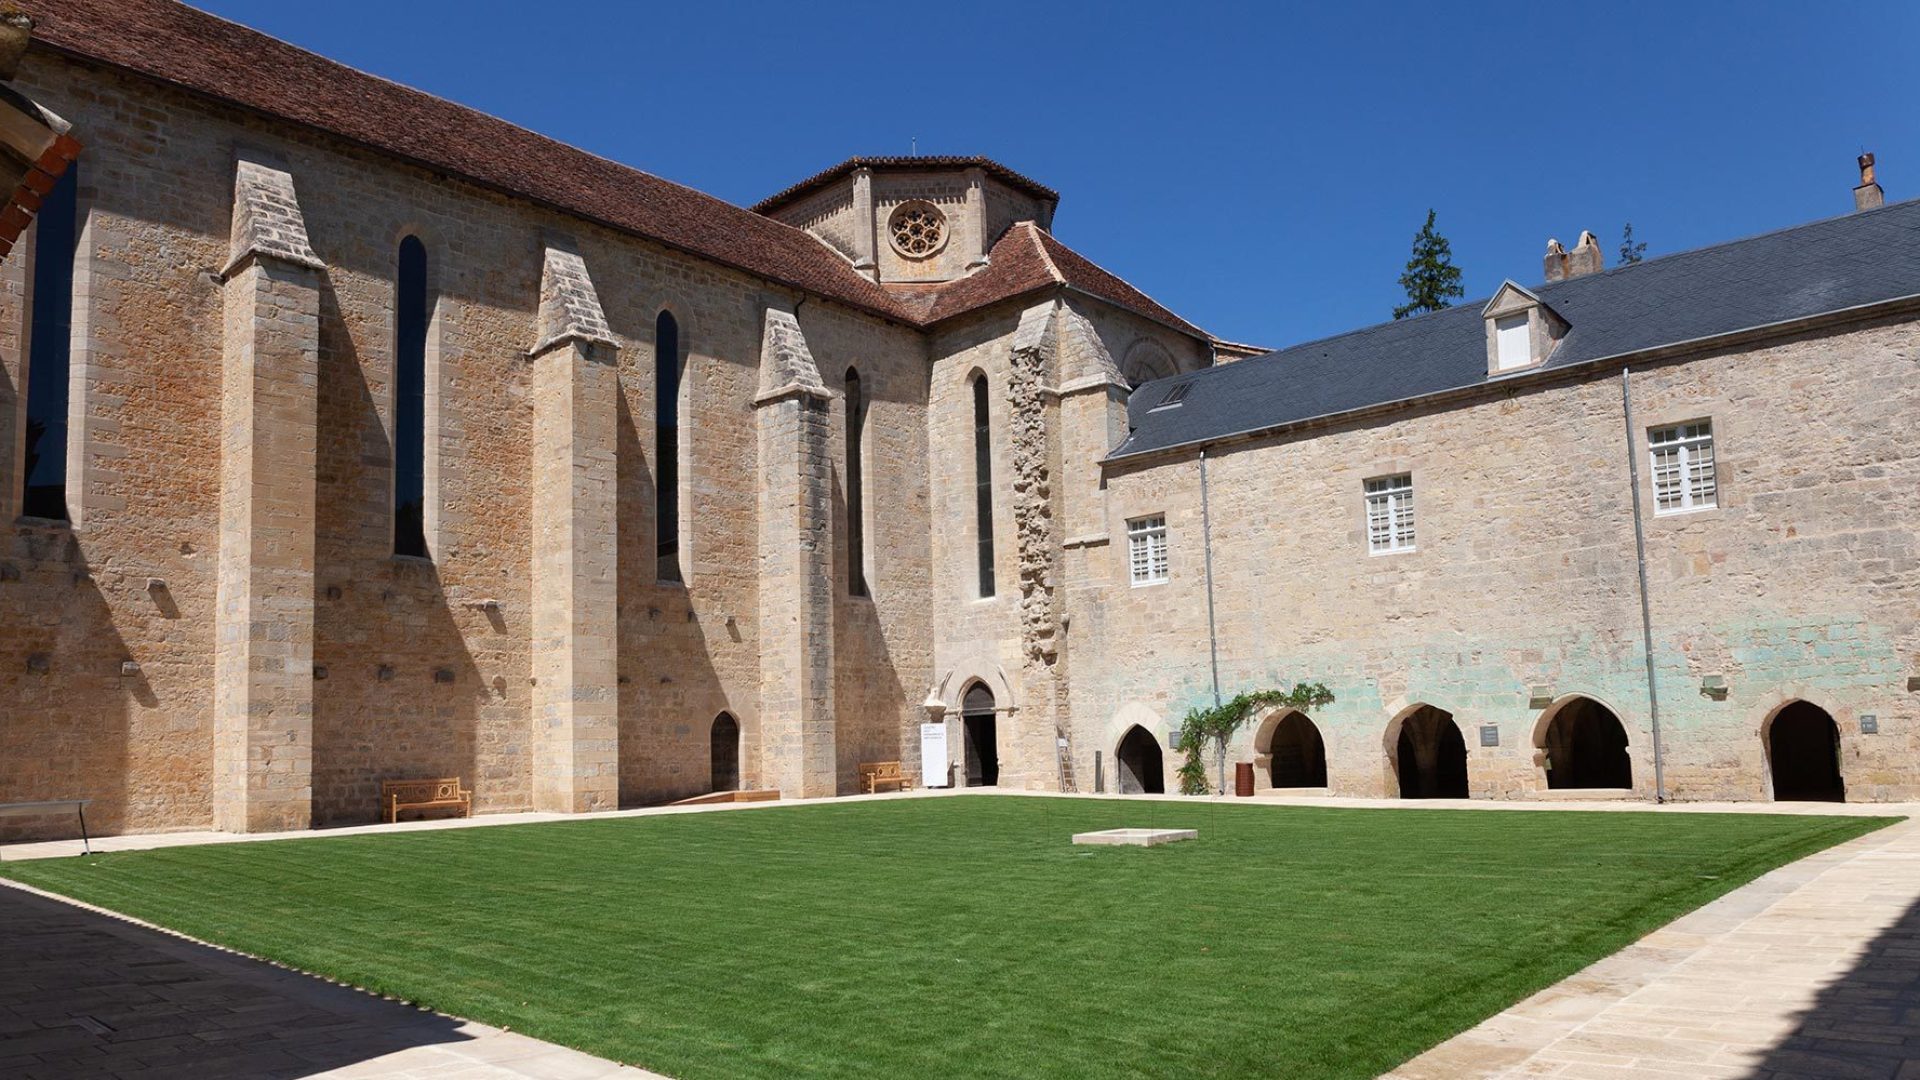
[(1034, 234)]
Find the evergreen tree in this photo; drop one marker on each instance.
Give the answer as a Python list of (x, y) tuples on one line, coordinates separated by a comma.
[(1432, 281), (1630, 252)]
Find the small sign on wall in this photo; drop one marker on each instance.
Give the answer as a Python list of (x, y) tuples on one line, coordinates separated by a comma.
[(1489, 734), (933, 755), (1869, 724)]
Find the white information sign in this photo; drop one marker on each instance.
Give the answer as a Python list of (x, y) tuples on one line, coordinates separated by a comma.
[(933, 755)]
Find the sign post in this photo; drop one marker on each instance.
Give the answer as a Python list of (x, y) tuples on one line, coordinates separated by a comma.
[(933, 755)]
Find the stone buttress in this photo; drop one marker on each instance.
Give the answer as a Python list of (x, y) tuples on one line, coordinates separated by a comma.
[(576, 760)]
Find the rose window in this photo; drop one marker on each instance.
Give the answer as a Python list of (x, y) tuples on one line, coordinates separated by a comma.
[(918, 229)]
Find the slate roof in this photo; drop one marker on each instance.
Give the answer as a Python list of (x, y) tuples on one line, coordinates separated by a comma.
[(210, 56), (928, 162), (1814, 269)]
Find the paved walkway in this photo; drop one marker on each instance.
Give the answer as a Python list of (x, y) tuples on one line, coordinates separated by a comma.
[(1811, 972)]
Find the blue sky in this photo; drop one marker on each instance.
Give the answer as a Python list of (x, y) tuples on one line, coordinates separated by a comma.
[(1259, 168)]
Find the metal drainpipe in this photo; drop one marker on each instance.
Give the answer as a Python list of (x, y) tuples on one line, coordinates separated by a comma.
[(1206, 545), (1646, 609)]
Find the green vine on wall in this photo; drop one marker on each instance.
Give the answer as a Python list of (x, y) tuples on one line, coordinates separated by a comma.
[(1216, 726)]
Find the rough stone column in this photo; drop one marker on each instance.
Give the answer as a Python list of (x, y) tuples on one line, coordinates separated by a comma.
[(576, 723), (1033, 402), (263, 662), (796, 565)]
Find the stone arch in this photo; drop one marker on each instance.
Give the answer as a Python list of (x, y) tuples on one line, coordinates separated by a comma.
[(980, 735), (1289, 752), (1801, 743), (1147, 360), (1582, 743), (1139, 765), (723, 750), (1426, 754)]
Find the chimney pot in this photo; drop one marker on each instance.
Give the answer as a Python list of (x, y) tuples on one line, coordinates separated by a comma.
[(1555, 261), (1869, 194)]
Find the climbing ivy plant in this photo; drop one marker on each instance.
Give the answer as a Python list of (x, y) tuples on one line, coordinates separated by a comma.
[(1216, 726)]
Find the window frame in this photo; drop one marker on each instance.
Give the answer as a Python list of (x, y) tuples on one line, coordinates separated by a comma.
[(1397, 502), (1684, 442), (1142, 532)]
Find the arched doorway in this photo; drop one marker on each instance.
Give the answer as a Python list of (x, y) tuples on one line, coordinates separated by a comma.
[(1586, 747), (977, 723), (1803, 752), (725, 747), (1142, 770), (1296, 755), (1430, 756)]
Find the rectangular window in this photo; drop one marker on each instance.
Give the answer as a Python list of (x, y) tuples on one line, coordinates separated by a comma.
[(1682, 467), (50, 349), (1147, 549), (1513, 342), (1390, 514)]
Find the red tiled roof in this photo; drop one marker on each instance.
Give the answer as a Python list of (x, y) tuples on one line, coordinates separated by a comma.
[(211, 56), (942, 162), (1026, 259), (202, 53)]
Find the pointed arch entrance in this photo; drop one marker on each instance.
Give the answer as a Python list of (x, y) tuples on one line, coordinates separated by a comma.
[(1803, 754), (724, 748), (1296, 754), (1141, 767), (979, 737), (1586, 747), (1429, 755)]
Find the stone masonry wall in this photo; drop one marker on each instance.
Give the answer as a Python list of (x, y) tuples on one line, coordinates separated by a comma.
[(1799, 585)]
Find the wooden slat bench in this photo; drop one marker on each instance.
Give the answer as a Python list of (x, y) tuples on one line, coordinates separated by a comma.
[(442, 794), (52, 806), (875, 775)]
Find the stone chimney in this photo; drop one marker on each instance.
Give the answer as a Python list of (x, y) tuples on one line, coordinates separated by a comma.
[(1584, 259), (1868, 195)]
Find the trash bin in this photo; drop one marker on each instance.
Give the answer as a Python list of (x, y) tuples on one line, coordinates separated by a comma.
[(1243, 778)]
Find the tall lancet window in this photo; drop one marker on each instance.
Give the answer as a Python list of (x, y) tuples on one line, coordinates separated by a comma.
[(856, 488), (50, 344), (410, 317), (983, 482), (666, 446)]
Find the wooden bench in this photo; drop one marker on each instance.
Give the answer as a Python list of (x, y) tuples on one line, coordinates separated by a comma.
[(52, 806), (875, 775), (443, 794)]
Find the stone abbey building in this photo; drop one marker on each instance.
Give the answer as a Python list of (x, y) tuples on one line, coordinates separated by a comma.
[(349, 435)]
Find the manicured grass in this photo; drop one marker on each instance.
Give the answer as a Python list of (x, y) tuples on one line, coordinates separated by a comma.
[(965, 936)]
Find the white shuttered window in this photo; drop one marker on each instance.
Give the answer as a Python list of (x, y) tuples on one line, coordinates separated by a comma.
[(1682, 467), (1147, 549), (1390, 514)]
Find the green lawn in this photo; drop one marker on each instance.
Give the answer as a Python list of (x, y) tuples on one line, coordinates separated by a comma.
[(965, 936)]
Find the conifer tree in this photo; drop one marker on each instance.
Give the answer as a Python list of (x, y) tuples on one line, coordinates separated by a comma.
[(1432, 281), (1630, 252)]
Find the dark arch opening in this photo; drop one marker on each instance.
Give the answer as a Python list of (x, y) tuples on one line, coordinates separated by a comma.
[(666, 446), (1431, 756), (983, 484), (1142, 769), (1586, 747), (1297, 757), (725, 746), (1803, 748), (979, 737), (410, 317), (856, 485)]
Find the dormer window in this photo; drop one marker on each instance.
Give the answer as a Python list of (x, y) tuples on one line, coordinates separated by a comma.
[(1521, 330), (1511, 347)]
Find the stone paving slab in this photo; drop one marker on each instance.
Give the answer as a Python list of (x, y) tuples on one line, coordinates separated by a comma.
[(1811, 972), (86, 993)]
